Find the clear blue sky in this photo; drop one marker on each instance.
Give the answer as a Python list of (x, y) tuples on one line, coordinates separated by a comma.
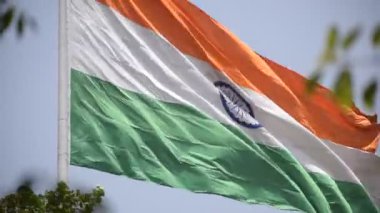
[(290, 32)]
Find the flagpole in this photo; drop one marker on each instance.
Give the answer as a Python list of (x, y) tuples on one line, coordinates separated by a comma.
[(63, 95)]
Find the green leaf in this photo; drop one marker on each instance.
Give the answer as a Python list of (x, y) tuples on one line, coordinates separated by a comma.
[(376, 36), (369, 94), (312, 82), (6, 20), (20, 25), (343, 88), (350, 38), (329, 54), (332, 38)]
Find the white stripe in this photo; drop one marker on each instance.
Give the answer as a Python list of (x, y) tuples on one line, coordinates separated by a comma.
[(109, 46), (365, 165)]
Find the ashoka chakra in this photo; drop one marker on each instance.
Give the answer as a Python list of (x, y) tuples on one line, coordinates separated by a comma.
[(236, 106)]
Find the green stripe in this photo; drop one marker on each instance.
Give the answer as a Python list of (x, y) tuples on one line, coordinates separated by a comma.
[(127, 133)]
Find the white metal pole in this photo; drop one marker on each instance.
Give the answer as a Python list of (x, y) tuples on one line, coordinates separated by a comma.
[(63, 95)]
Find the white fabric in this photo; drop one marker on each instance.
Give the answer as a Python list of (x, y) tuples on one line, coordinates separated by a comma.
[(365, 165)]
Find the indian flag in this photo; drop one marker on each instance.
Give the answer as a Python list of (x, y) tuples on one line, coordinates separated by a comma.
[(161, 92)]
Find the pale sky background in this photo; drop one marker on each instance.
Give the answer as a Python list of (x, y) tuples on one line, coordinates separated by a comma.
[(289, 32)]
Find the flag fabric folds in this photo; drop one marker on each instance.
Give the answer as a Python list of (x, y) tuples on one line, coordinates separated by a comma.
[(161, 92)]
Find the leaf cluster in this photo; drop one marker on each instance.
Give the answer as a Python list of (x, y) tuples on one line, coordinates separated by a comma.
[(59, 200), (336, 46), (10, 16)]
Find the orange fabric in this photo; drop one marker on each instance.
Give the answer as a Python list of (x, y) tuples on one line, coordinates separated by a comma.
[(195, 33)]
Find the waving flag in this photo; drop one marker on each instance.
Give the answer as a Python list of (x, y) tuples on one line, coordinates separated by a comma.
[(161, 92)]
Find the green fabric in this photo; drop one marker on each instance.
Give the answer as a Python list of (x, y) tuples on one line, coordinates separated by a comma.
[(127, 133)]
